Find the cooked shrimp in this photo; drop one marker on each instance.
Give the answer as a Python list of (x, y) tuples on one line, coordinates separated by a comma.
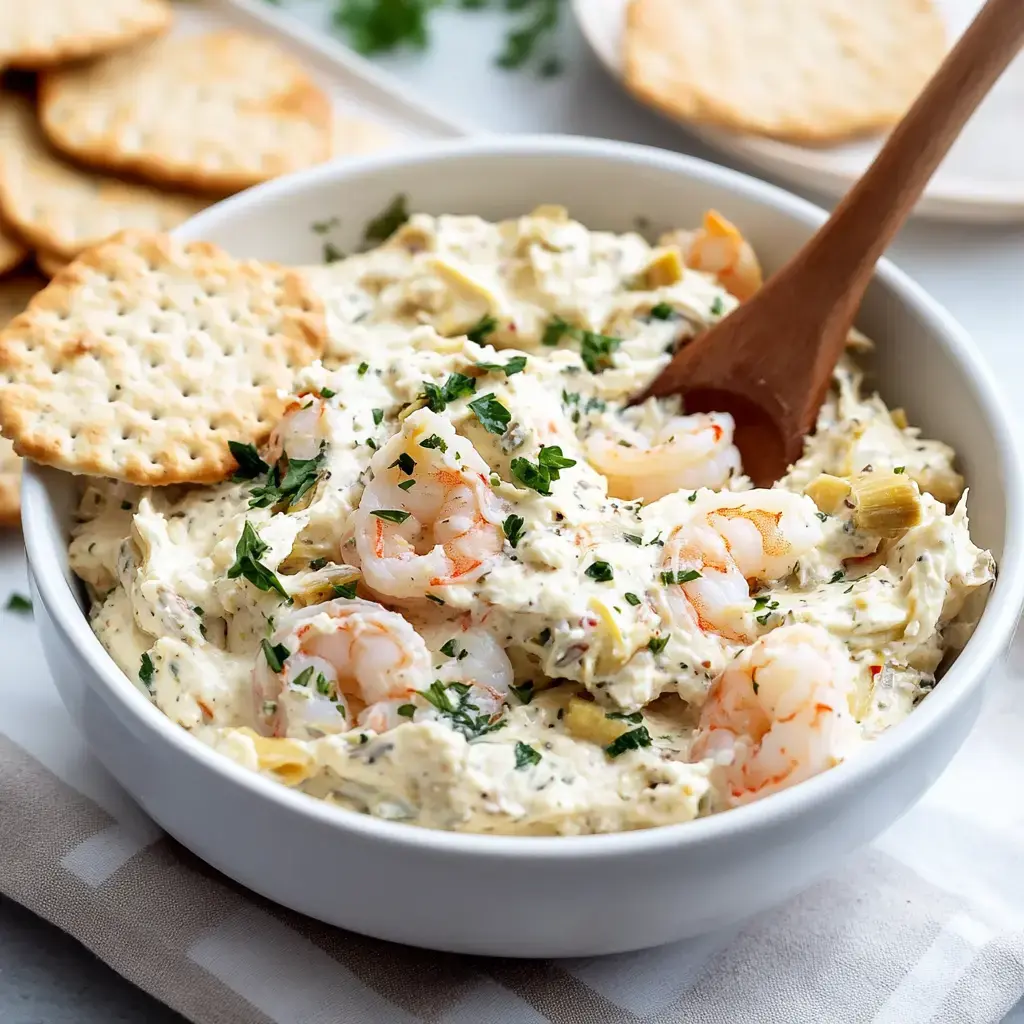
[(718, 248), (779, 713), (727, 540), (687, 452), (301, 431), (444, 529), (475, 657), (345, 663)]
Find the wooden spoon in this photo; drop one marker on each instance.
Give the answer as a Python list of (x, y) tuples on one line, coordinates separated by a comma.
[(769, 363)]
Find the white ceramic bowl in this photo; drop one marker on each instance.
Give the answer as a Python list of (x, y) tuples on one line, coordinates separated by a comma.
[(541, 896)]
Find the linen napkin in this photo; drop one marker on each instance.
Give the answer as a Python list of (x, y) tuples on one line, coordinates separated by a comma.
[(926, 925)]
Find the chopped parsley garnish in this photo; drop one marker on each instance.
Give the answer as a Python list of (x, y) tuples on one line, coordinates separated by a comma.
[(373, 26), (298, 478), (449, 649), (513, 527), (346, 589), (632, 538), (327, 393), (718, 306), (526, 755), (434, 442), (332, 253), (458, 385), (249, 462), (303, 678), (601, 572), (378, 417), (391, 515), (632, 740), (539, 475), (692, 498), (276, 655), (515, 365), (556, 330), (146, 672), (405, 462), (899, 469), (407, 710), (247, 564), (323, 685), (479, 331), (460, 710), (596, 350), (662, 311), (317, 563), (363, 367), (632, 599), (395, 214), (822, 516), (657, 644), (493, 416), (683, 576), (525, 692), (633, 717), (406, 484), (19, 603), (838, 576)]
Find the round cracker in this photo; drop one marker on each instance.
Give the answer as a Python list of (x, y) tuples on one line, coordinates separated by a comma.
[(39, 33), (222, 111), (64, 209), (49, 262), (12, 252), (142, 359), (809, 70), (354, 135), (15, 293)]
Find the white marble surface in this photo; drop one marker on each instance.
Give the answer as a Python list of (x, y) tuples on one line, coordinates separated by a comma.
[(45, 978)]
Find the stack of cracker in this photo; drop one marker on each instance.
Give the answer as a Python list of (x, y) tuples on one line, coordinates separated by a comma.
[(118, 125), (810, 71)]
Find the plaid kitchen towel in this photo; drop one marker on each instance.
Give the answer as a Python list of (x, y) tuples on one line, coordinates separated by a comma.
[(927, 925)]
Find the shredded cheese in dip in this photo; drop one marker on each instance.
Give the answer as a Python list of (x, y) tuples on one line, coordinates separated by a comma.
[(465, 587)]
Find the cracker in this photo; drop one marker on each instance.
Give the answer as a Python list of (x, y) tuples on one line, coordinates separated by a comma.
[(49, 262), (14, 295), (809, 70), (39, 33), (352, 136), (142, 359), (64, 209), (221, 112), (12, 252)]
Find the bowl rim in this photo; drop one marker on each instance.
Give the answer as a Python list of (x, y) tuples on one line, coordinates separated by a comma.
[(966, 673)]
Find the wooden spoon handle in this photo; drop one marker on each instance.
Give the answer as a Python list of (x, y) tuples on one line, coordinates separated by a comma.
[(865, 222)]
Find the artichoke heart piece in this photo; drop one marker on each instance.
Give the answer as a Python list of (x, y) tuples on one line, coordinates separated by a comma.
[(288, 759), (589, 721), (828, 492), (326, 585), (664, 269), (887, 504), (469, 298), (615, 648)]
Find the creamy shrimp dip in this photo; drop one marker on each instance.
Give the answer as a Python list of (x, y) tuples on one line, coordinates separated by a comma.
[(463, 586)]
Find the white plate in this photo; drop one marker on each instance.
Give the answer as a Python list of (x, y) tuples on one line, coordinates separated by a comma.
[(982, 179)]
